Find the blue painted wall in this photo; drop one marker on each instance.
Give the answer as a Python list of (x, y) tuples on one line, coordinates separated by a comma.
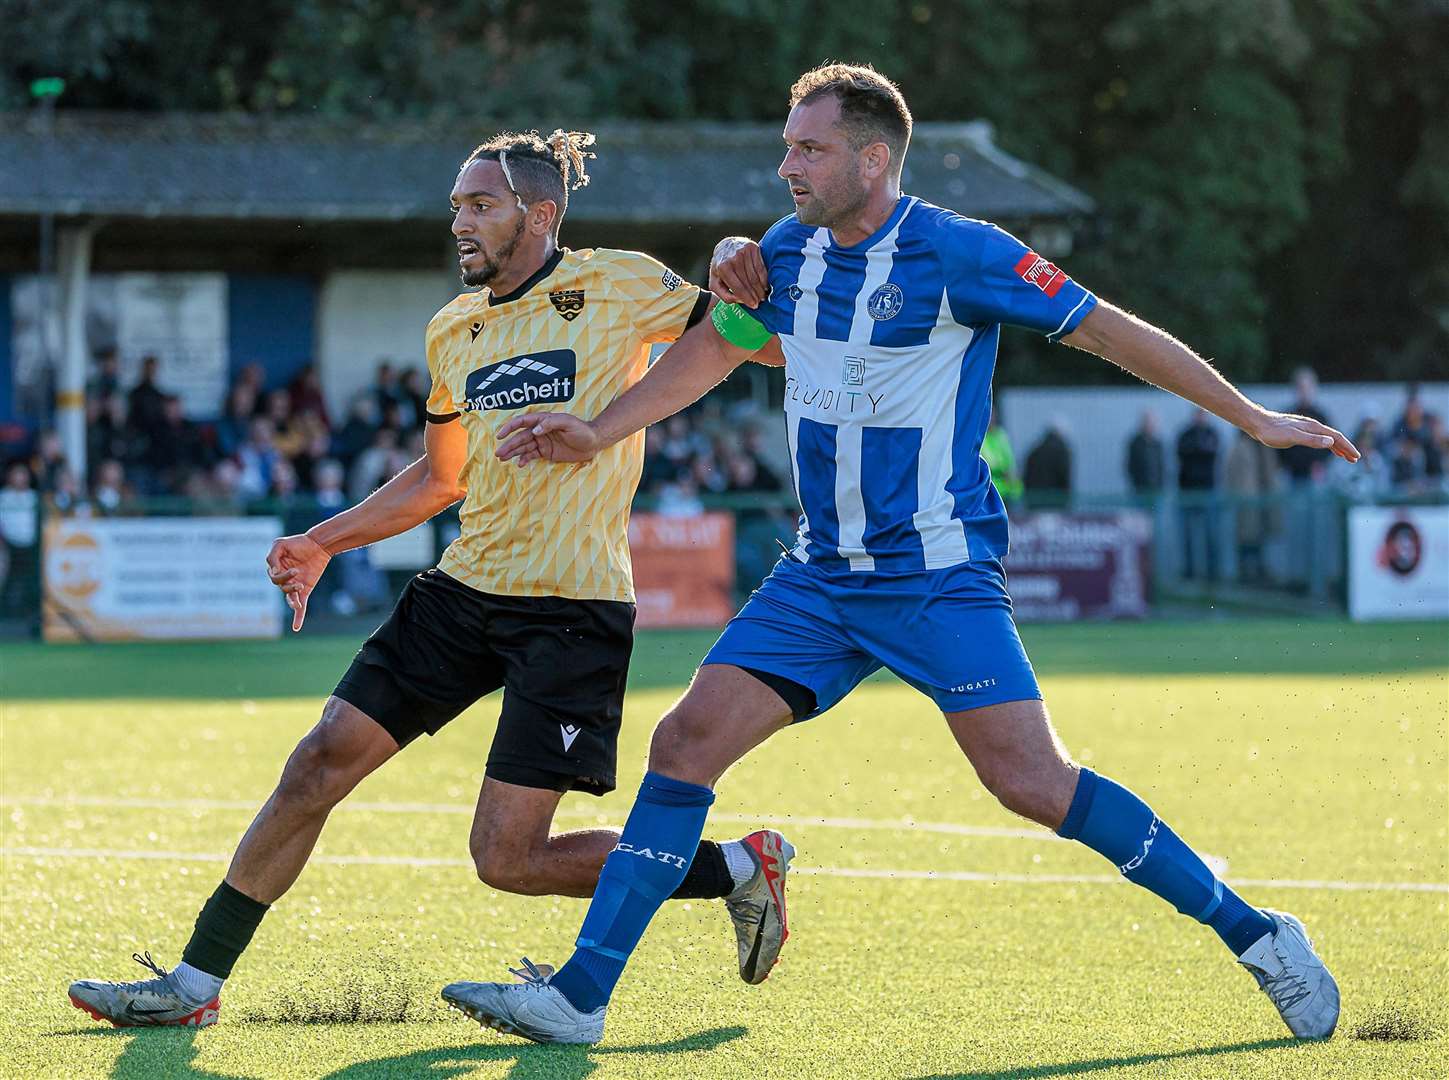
[(272, 320)]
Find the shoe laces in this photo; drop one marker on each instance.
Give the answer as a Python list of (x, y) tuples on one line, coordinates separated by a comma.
[(530, 974), (144, 959), (1285, 989)]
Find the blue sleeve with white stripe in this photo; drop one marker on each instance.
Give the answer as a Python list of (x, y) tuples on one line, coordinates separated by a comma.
[(778, 310), (992, 277)]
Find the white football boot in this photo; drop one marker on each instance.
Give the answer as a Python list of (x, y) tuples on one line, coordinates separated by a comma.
[(1294, 978), (530, 1007), (146, 1003), (757, 908)]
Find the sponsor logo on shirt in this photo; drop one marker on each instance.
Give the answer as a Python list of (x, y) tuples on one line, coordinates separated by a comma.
[(853, 373), (885, 302), (1035, 270), (568, 303), (531, 379), (671, 280), (827, 399)]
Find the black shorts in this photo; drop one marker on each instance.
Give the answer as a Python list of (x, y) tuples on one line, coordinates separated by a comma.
[(561, 664)]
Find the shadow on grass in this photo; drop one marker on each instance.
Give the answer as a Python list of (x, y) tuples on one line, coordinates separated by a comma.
[(309, 666), (1091, 1065), (169, 1053)]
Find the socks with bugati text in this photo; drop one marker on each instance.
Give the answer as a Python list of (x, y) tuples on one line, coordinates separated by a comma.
[(1115, 823), (224, 929), (642, 871)]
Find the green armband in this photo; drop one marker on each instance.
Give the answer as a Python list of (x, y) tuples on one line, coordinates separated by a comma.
[(737, 326)]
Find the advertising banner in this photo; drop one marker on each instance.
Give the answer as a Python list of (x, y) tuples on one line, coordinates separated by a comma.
[(1398, 562), (684, 569), (1068, 566), (130, 579)]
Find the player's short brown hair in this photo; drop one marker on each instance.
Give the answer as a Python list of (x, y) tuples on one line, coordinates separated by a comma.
[(872, 108), (540, 168)]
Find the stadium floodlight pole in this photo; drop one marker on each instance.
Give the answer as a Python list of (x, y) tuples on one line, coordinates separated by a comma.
[(46, 92)]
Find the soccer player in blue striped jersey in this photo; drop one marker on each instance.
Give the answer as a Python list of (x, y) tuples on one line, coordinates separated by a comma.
[(888, 311)]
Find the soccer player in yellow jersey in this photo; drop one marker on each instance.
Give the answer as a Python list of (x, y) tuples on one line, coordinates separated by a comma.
[(534, 597)]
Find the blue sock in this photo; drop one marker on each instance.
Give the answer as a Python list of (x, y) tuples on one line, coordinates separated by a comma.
[(1115, 823), (650, 860)]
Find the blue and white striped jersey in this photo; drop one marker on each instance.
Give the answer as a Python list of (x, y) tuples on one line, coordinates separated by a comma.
[(890, 346)]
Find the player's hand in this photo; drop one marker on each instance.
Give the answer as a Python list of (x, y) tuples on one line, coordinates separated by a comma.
[(553, 436), (294, 564), (1281, 430), (737, 272)]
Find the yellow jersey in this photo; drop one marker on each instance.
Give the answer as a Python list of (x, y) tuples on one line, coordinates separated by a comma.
[(570, 339)]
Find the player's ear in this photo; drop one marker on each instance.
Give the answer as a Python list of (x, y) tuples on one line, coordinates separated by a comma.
[(875, 159), (541, 216)]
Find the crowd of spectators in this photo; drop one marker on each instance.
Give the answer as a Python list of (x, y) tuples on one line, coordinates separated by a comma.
[(281, 448)]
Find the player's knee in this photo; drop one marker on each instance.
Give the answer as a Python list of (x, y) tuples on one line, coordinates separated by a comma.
[(1031, 793), (679, 739), (502, 869), (316, 776)]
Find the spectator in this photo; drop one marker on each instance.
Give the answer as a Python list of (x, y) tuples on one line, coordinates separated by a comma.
[(253, 379), (147, 402), (66, 498), (1407, 471), (680, 499), (110, 494), (1306, 464), (748, 474), (1435, 451), (413, 394), (236, 419), (48, 460), (1197, 458), (1368, 478), (384, 390), (257, 459), (107, 378), (1000, 458), (1147, 457), (357, 584), (658, 469), (108, 435), (1252, 478), (709, 478), (368, 470), (288, 434), (307, 397), (1048, 477), (356, 434), (20, 533), (174, 449), (1414, 422)]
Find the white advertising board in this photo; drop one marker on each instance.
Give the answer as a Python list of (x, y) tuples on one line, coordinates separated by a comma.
[(1398, 562), (130, 579)]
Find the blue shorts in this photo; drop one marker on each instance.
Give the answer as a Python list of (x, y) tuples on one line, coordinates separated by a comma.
[(947, 632)]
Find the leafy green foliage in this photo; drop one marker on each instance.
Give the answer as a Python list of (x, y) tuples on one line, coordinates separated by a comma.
[(1273, 175)]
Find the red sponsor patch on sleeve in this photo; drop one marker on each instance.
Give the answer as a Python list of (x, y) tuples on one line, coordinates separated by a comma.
[(1035, 270)]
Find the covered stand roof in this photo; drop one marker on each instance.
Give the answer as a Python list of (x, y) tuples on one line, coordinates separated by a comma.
[(225, 167)]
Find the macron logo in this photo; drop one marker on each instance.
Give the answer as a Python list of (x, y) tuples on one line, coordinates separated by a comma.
[(570, 733)]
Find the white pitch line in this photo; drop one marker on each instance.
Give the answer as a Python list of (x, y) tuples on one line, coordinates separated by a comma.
[(816, 871), (1216, 863)]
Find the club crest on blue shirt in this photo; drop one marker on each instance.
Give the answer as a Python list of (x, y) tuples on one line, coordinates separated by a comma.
[(795, 292), (885, 302)]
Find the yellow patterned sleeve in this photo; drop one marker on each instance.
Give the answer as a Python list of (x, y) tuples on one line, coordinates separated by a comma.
[(441, 406), (661, 304)]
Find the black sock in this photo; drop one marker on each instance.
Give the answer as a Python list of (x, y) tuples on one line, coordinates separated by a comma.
[(223, 930), (708, 877)]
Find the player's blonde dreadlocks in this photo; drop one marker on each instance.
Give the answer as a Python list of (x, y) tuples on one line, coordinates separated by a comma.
[(537, 168)]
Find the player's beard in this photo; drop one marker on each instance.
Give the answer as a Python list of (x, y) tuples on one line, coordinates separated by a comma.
[(492, 264), (835, 203)]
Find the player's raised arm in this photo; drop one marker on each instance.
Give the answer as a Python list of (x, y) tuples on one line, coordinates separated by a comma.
[(1157, 357), (428, 485), (691, 367)]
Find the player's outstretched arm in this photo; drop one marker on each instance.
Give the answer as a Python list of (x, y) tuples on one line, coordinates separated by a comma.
[(688, 370), (1157, 357), (295, 563)]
